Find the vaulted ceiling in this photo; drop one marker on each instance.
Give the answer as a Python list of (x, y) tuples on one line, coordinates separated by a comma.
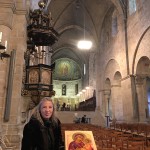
[(75, 20), (78, 19)]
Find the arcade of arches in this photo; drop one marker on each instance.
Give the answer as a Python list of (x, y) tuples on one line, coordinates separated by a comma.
[(116, 69)]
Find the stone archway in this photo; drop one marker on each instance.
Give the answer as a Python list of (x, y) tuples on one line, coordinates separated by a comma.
[(113, 76), (143, 88)]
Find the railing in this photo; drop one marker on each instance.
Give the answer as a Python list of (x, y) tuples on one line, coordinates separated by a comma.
[(87, 105)]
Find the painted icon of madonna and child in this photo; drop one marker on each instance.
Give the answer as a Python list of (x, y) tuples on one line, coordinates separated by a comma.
[(79, 140)]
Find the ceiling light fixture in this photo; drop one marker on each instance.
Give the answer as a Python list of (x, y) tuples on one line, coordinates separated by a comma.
[(84, 44)]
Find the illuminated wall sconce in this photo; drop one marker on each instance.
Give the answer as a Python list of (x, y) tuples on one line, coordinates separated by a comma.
[(3, 48)]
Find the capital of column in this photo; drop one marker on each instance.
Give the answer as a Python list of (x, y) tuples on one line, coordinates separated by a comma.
[(8, 8), (139, 80), (107, 92), (7, 4), (6, 11), (116, 83)]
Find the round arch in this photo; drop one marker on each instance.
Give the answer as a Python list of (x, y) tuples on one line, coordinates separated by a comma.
[(111, 68), (143, 66), (145, 36)]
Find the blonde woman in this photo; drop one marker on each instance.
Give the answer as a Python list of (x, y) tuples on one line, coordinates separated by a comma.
[(43, 131)]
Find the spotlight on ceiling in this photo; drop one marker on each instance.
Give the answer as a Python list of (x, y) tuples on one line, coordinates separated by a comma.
[(84, 45)]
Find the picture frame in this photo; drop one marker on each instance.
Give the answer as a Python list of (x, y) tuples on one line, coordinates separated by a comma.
[(77, 139)]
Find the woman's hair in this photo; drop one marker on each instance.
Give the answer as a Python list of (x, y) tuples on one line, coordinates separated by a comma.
[(53, 117)]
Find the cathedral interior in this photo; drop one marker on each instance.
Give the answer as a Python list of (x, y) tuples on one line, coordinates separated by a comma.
[(40, 57)]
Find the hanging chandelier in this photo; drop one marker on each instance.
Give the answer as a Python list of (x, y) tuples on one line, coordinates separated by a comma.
[(84, 44)]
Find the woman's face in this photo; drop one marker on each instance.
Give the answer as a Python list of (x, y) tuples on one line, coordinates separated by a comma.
[(46, 109)]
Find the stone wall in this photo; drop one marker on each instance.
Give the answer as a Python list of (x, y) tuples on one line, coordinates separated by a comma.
[(125, 48), (13, 27)]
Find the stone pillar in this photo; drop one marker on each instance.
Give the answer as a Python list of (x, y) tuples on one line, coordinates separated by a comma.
[(127, 99), (134, 99), (13, 25), (107, 102), (130, 103), (6, 13), (142, 105), (106, 106), (99, 101), (117, 104)]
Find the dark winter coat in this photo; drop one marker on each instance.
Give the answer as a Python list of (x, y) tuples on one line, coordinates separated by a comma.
[(41, 135)]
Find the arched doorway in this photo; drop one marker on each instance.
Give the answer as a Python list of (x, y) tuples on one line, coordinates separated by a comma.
[(143, 88)]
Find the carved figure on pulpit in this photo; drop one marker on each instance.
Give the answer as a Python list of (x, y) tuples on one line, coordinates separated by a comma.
[(46, 77), (33, 76)]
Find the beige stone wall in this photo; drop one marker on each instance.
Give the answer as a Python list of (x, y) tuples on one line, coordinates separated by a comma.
[(113, 49), (13, 27)]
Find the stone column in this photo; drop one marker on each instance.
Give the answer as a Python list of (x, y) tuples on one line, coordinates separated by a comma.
[(13, 26), (106, 102), (127, 99), (6, 13), (134, 99), (130, 101), (100, 101), (117, 104), (142, 106), (107, 106)]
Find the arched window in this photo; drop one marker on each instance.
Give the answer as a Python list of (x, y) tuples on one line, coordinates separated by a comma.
[(114, 23), (64, 89), (132, 6), (76, 89)]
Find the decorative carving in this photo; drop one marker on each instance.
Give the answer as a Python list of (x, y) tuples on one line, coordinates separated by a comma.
[(25, 92), (40, 28), (46, 76), (40, 35), (33, 76)]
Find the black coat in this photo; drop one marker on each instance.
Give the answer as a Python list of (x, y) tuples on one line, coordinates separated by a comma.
[(38, 136)]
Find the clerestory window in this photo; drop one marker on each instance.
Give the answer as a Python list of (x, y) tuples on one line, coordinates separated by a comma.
[(114, 24), (132, 6)]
